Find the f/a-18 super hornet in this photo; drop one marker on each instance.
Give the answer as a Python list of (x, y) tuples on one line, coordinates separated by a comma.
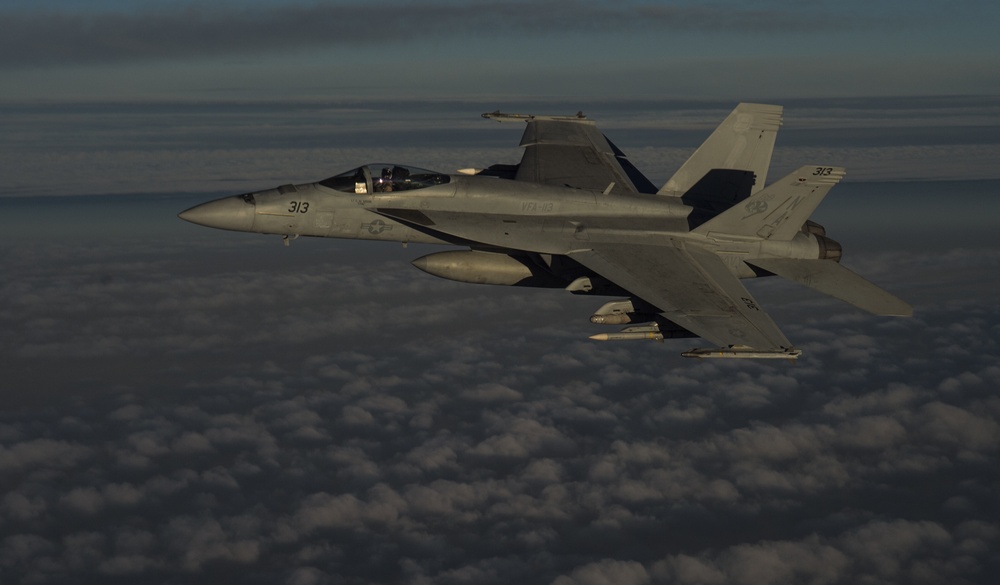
[(576, 214)]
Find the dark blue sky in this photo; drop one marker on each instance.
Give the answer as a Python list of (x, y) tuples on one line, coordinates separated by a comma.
[(728, 49)]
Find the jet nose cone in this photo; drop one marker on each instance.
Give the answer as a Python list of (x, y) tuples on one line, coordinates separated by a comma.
[(229, 213)]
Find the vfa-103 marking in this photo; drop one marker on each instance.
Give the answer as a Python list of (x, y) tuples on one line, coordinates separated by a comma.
[(576, 214)]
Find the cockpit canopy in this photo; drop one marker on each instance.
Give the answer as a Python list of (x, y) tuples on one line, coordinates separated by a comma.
[(384, 178)]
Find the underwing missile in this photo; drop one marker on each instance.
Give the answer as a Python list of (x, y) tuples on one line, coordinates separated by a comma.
[(628, 335)]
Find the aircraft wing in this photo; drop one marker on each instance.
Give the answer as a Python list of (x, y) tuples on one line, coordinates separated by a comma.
[(692, 287), (571, 151)]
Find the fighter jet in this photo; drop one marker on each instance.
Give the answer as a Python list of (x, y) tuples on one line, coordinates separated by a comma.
[(576, 214)]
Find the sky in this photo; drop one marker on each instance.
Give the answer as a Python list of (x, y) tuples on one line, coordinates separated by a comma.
[(187, 405), (113, 49)]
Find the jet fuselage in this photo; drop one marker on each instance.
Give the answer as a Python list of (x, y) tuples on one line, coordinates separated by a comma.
[(487, 211)]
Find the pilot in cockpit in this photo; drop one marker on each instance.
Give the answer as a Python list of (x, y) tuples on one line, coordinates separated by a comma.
[(393, 179), (384, 182)]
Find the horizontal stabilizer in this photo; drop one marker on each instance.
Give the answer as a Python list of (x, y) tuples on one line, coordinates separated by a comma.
[(829, 277)]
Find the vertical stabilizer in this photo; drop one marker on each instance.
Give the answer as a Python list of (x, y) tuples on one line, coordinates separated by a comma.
[(777, 212), (744, 141)]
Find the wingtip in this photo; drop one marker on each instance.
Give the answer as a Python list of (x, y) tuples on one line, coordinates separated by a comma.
[(903, 310)]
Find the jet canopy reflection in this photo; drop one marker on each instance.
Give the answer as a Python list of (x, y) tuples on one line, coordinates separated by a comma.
[(384, 178)]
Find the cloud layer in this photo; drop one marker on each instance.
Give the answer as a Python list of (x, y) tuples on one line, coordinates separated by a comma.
[(324, 413)]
